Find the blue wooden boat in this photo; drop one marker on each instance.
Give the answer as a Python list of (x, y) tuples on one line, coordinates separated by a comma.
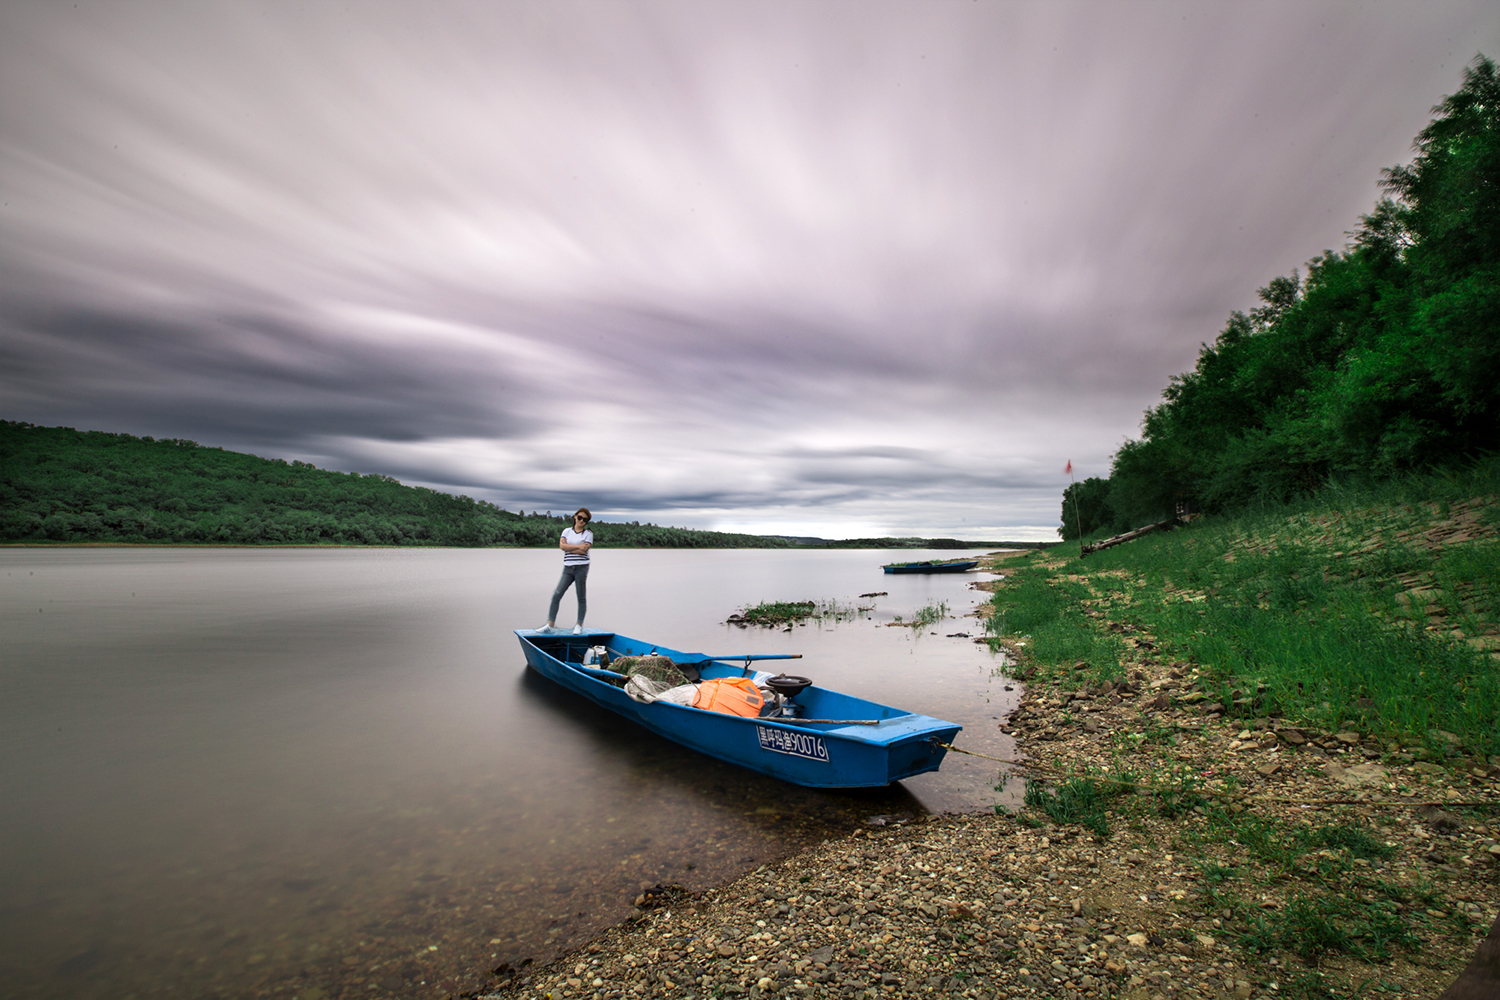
[(958, 566), (839, 741)]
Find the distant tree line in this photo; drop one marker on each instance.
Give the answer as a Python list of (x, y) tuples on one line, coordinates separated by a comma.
[(888, 542), (1384, 359), (62, 485)]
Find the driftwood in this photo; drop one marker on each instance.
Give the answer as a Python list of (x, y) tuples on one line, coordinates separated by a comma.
[(1166, 525), (1481, 980)]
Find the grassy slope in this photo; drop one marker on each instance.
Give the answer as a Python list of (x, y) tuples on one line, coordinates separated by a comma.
[(1376, 611), (1366, 617)]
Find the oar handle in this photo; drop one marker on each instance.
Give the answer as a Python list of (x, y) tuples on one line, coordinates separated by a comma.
[(746, 658)]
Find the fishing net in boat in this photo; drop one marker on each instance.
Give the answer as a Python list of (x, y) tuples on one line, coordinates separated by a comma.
[(653, 667), (646, 690)]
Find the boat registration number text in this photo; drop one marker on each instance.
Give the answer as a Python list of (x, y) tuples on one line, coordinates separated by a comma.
[(796, 744)]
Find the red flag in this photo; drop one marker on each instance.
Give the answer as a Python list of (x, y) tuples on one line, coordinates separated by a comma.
[(1069, 469)]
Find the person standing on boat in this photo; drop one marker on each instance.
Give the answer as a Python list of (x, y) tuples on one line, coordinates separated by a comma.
[(575, 544)]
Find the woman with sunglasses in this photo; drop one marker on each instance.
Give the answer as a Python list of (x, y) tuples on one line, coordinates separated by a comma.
[(575, 544)]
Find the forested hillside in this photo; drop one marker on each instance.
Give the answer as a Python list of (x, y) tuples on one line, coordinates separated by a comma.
[(1384, 358), (59, 484)]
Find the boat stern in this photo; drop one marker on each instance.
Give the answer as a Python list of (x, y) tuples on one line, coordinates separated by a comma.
[(921, 754)]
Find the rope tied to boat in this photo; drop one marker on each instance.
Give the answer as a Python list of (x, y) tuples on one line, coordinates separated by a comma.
[(1053, 773), (999, 760)]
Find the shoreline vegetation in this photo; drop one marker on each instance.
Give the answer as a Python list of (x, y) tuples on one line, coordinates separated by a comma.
[(1292, 720), (1381, 362), (60, 486)]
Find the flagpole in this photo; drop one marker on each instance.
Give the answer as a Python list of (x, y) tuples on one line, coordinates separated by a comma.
[(1077, 517)]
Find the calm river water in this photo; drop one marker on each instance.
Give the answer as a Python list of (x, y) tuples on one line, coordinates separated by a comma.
[(314, 773)]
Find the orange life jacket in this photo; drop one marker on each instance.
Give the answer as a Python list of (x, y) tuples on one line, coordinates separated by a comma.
[(733, 695)]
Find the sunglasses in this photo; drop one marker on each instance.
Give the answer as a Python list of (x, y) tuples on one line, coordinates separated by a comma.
[(580, 517)]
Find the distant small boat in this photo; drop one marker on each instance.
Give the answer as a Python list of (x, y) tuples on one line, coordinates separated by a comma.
[(958, 566), (832, 741)]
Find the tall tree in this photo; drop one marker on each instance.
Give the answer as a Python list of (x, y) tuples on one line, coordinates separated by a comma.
[(1387, 356)]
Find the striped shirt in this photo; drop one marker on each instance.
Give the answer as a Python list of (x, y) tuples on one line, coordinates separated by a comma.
[(574, 538)]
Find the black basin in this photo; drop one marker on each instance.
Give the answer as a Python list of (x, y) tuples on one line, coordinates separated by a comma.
[(787, 685)]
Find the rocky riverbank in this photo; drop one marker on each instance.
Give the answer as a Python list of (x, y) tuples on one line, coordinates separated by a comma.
[(1171, 853)]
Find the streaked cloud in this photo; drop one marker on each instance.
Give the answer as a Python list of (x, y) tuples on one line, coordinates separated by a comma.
[(763, 266)]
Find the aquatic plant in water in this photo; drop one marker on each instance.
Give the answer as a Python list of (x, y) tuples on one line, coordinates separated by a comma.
[(925, 616), (787, 612)]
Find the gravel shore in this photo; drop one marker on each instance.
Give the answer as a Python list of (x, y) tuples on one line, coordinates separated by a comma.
[(1161, 903)]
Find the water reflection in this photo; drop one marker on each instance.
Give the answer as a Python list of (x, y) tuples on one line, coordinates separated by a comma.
[(224, 772)]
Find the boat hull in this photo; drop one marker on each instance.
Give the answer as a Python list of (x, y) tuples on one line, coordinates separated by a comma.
[(816, 755), (949, 567)]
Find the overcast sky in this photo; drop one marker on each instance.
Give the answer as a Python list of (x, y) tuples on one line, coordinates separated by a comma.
[(838, 269)]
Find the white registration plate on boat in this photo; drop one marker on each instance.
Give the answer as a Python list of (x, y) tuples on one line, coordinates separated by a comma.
[(796, 744)]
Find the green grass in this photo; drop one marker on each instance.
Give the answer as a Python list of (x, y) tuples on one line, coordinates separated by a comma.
[(1332, 613), (1312, 925), (1309, 985), (1342, 612), (1351, 838), (1333, 905), (1214, 873), (1079, 800), (928, 615), (1280, 848), (1045, 614)]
